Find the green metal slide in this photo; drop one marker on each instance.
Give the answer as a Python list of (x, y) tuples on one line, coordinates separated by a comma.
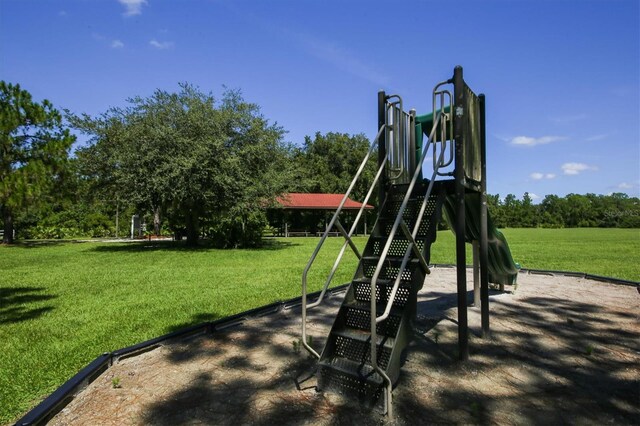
[(502, 268)]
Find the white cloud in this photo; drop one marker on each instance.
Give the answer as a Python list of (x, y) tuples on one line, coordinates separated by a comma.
[(576, 168), (625, 185), (529, 141), (117, 44), (534, 196), (540, 176), (132, 7), (161, 45)]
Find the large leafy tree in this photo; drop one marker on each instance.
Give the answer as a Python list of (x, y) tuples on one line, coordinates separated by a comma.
[(328, 163), (34, 147), (197, 161)]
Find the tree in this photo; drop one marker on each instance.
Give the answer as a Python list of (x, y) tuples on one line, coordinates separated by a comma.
[(328, 163), (34, 146), (512, 208), (200, 162), (528, 212)]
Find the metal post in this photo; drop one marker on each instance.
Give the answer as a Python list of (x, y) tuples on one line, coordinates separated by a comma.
[(484, 225), (476, 273), (412, 143), (459, 114), (382, 146)]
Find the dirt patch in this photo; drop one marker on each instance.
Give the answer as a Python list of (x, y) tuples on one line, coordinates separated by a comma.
[(562, 350)]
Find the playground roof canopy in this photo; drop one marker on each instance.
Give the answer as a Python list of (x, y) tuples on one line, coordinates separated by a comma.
[(317, 201)]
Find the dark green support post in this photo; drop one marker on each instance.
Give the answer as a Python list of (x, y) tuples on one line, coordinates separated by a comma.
[(484, 230), (459, 173), (382, 146)]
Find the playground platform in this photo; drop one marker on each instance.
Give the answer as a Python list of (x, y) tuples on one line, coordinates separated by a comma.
[(563, 350)]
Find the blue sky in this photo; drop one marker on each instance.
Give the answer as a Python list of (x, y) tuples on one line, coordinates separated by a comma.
[(561, 77)]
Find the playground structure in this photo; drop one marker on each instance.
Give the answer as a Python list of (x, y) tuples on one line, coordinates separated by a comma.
[(365, 348)]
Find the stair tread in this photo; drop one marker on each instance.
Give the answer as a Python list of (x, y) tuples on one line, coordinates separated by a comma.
[(366, 306), (382, 281), (389, 258), (361, 370), (399, 237), (364, 336)]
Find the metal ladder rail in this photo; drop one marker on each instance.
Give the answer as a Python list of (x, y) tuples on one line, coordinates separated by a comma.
[(348, 241), (443, 130), (398, 221), (437, 164), (395, 149)]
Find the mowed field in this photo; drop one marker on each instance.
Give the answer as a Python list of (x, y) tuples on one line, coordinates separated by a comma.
[(63, 304)]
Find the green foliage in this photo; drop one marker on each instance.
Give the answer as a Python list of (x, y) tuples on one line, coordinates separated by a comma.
[(328, 163), (115, 383), (241, 230), (617, 210), (199, 161), (34, 146)]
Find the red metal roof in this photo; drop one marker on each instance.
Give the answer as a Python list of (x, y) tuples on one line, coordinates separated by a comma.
[(296, 200)]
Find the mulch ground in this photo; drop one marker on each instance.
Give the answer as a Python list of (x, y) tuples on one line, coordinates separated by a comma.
[(562, 351)]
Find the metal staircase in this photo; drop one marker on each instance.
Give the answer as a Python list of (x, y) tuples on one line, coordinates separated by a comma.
[(364, 351), (345, 363)]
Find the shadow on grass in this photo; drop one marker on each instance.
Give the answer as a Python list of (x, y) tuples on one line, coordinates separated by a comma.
[(181, 246), (19, 304)]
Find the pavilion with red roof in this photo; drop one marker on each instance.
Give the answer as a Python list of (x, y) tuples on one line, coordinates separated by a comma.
[(318, 203)]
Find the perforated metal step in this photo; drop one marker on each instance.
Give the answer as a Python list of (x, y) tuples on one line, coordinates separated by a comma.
[(358, 371), (398, 245), (358, 349), (390, 268), (362, 291), (357, 315), (410, 214)]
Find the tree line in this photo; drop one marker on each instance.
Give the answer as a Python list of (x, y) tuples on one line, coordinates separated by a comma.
[(616, 210), (193, 164)]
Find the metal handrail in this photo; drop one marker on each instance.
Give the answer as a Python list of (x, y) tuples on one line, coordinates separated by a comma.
[(396, 111), (443, 130), (399, 219), (333, 221)]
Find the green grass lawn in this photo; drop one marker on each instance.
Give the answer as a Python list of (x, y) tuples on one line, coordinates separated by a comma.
[(607, 252), (61, 305)]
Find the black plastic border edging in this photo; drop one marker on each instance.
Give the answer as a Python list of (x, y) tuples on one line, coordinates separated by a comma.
[(62, 396)]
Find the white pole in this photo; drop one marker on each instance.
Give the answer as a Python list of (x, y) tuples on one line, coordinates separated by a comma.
[(476, 273)]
